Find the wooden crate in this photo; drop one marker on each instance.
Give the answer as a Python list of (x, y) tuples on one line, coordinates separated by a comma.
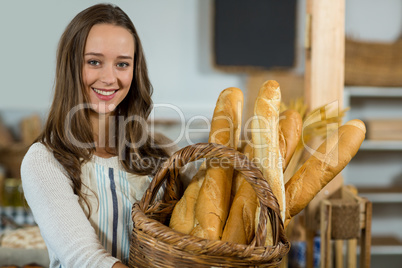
[(343, 218)]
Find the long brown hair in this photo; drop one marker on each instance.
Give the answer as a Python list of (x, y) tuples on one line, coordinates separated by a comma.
[(68, 132)]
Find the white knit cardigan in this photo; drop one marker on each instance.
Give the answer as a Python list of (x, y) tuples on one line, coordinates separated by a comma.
[(73, 240)]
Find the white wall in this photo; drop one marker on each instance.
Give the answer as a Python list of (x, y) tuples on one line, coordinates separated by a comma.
[(177, 39), (374, 20)]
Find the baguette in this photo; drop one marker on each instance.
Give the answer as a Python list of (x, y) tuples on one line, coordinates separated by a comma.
[(212, 205), (265, 128), (290, 129), (182, 219), (240, 225), (238, 178), (325, 163)]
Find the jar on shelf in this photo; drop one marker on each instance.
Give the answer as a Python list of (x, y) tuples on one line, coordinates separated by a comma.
[(12, 193)]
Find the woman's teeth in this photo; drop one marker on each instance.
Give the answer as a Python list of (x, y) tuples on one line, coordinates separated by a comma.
[(104, 93)]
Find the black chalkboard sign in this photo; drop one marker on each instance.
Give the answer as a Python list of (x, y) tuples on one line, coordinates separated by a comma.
[(254, 33)]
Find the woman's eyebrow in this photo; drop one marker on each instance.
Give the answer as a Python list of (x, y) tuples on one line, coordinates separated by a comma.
[(101, 55), (125, 57), (94, 54)]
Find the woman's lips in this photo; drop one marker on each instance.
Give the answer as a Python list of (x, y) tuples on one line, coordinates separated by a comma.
[(105, 94)]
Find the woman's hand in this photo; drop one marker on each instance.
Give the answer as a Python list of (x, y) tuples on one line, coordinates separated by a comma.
[(119, 265)]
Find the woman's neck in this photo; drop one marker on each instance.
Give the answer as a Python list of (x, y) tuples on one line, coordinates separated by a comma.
[(103, 134)]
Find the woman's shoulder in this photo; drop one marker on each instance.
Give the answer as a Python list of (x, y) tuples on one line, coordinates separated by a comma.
[(38, 152), (38, 148), (39, 159)]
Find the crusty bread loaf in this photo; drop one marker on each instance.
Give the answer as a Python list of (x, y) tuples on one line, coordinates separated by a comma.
[(213, 201), (182, 218), (290, 129), (325, 163), (226, 121), (265, 129), (238, 178), (240, 225)]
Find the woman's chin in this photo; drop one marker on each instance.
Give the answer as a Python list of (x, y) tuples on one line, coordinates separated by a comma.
[(103, 108)]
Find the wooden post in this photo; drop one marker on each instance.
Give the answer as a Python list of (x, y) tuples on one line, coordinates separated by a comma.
[(339, 253), (325, 222), (324, 73), (365, 240), (325, 56), (325, 62), (352, 253)]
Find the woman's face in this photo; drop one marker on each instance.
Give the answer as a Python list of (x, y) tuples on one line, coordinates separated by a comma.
[(108, 66)]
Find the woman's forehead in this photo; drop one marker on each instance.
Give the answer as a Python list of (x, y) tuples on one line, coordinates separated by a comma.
[(110, 39)]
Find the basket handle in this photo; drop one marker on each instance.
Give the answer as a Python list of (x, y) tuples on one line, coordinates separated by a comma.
[(169, 171)]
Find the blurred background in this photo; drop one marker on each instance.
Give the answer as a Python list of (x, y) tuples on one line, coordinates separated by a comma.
[(182, 40)]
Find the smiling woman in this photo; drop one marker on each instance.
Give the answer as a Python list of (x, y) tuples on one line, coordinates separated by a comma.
[(95, 157), (107, 74)]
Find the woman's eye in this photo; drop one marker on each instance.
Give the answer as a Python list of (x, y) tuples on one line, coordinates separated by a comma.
[(122, 64), (94, 62)]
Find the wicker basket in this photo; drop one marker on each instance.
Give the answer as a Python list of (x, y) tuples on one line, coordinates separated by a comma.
[(373, 64), (153, 244)]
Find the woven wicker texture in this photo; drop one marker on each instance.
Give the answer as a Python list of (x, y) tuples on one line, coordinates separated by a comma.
[(373, 64), (153, 244)]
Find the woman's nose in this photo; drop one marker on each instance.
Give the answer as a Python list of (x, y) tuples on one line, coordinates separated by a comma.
[(108, 75)]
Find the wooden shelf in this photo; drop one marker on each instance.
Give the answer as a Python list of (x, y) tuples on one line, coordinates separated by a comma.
[(373, 145), (386, 246), (386, 92), (382, 195)]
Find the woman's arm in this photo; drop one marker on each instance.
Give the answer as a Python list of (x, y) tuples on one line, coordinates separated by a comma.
[(68, 234)]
